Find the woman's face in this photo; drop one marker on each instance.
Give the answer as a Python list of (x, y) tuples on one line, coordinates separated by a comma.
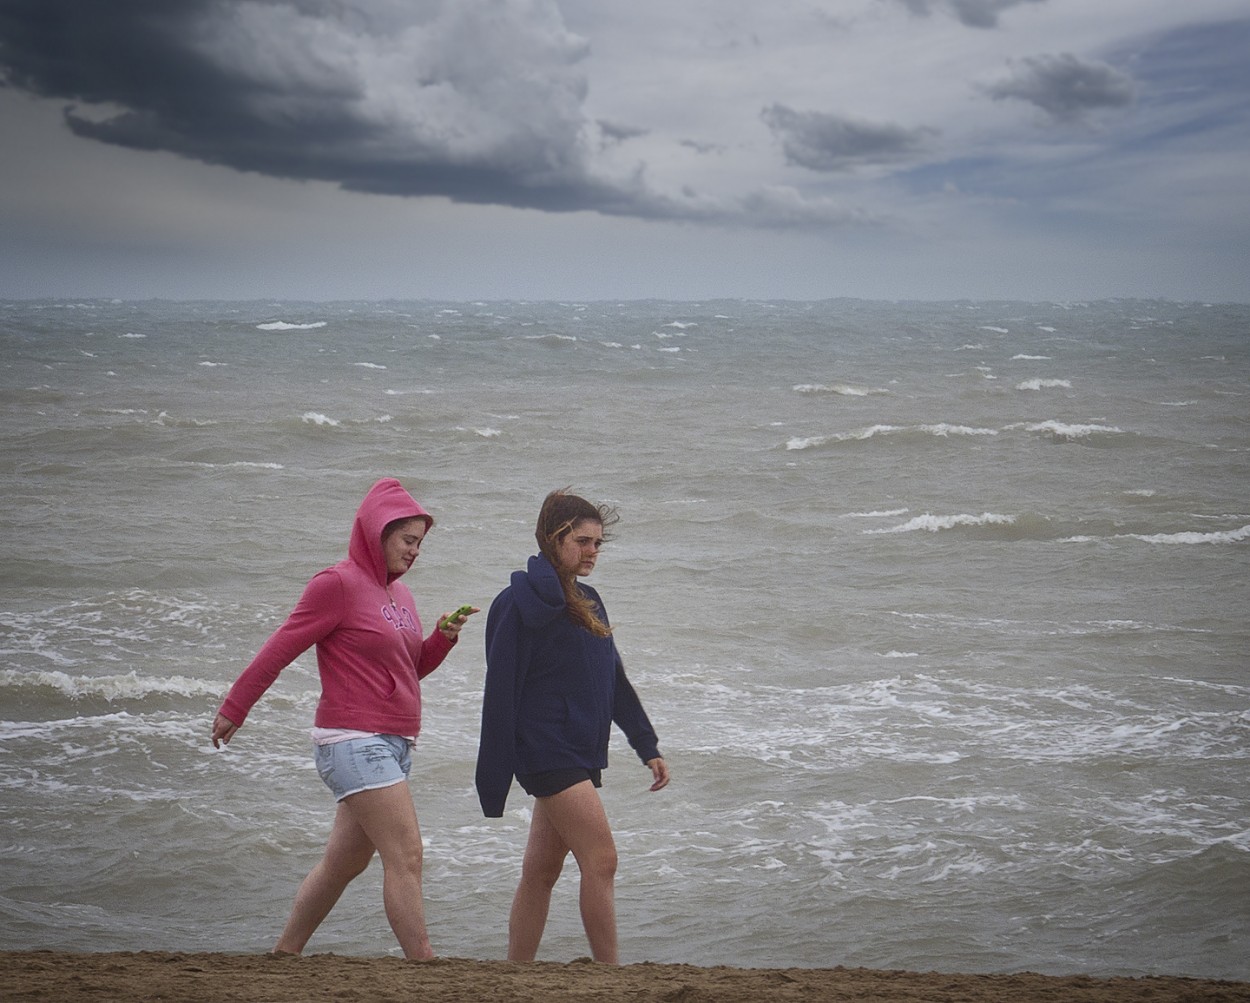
[(579, 549), (402, 545)]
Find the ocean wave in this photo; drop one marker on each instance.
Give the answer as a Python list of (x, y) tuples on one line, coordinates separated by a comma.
[(164, 418), (552, 339), (256, 464), (940, 430), (1172, 539), (1043, 384), (282, 325), (840, 389), (316, 418), (930, 523), (128, 686), (1065, 432)]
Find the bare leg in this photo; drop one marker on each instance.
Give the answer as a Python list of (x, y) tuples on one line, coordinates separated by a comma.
[(571, 821), (347, 854), (384, 819)]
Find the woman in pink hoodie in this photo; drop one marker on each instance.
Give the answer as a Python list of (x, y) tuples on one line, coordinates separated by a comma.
[(371, 655)]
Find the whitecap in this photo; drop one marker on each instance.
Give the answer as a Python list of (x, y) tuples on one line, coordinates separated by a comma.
[(164, 418), (1062, 430), (314, 418), (943, 430), (936, 523), (870, 431), (995, 330), (1228, 536), (1031, 358), (282, 325), (129, 686), (240, 463), (806, 443), (841, 389), (1042, 384), (368, 365)]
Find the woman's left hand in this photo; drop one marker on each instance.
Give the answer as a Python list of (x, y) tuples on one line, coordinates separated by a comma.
[(659, 771), (451, 627)]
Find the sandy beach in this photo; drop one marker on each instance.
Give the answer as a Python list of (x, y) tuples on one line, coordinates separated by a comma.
[(251, 978)]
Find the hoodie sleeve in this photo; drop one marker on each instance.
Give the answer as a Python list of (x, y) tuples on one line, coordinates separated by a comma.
[(629, 716), (505, 671), (317, 613), (433, 650)]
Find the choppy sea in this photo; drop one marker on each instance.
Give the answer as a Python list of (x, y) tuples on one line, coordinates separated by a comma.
[(940, 611)]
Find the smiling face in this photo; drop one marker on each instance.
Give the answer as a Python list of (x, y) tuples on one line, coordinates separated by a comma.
[(402, 544), (578, 549)]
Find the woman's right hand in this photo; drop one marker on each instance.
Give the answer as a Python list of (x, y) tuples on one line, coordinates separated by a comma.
[(223, 731)]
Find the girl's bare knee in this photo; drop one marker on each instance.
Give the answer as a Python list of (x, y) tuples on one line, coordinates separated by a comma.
[(600, 865), (544, 875)]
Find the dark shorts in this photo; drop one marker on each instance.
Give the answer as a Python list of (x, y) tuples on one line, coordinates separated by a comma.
[(543, 785)]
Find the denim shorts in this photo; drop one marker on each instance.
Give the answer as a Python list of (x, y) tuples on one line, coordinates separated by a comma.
[(363, 764)]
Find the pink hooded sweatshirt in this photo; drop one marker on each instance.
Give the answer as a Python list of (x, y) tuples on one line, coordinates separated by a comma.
[(370, 651)]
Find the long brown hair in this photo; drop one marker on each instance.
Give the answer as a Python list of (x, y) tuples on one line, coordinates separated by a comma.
[(561, 512)]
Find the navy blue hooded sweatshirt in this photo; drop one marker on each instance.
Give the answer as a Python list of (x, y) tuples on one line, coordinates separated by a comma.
[(552, 690)]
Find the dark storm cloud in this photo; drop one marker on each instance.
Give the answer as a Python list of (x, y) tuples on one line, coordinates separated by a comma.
[(479, 103), (1065, 87), (973, 13), (823, 142)]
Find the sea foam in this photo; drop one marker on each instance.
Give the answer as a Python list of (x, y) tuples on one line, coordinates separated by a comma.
[(281, 325)]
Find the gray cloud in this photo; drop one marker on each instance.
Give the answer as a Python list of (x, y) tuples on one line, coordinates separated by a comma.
[(823, 142), (479, 102), (973, 13), (1065, 87), (476, 101)]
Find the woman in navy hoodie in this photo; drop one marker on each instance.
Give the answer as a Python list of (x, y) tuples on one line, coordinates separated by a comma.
[(554, 685)]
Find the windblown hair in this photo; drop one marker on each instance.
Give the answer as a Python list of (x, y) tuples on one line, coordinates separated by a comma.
[(561, 512)]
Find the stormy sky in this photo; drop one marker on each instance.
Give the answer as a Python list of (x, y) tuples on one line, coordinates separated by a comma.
[(577, 149)]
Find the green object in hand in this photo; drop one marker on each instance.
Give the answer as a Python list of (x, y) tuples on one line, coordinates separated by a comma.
[(460, 614)]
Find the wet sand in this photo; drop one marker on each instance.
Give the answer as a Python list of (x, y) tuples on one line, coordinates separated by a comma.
[(260, 978)]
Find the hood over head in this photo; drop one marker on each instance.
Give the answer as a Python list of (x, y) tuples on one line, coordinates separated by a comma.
[(386, 501)]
